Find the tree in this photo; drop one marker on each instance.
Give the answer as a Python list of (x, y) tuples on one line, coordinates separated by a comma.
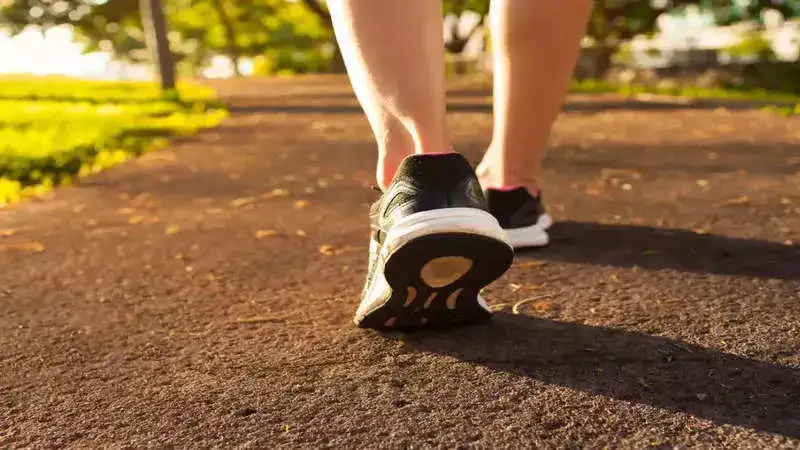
[(614, 22), (324, 16), (155, 30)]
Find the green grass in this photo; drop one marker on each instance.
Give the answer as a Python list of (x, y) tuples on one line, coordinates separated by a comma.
[(54, 129), (789, 104)]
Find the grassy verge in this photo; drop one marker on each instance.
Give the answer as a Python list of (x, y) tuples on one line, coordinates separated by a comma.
[(785, 104), (55, 129)]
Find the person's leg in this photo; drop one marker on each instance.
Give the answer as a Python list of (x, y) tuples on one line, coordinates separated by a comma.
[(394, 53), (433, 246), (535, 47)]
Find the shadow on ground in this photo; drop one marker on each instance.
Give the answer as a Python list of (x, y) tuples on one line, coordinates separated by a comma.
[(664, 248), (633, 367)]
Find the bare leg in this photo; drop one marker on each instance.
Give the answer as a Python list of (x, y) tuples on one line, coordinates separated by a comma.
[(394, 53), (535, 45)]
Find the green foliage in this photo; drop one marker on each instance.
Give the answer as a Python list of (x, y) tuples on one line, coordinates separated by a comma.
[(53, 129), (752, 44)]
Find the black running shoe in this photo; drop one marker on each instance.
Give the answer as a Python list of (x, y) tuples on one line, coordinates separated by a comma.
[(434, 246), (522, 216)]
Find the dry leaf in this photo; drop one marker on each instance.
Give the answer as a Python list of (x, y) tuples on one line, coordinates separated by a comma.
[(301, 233), (260, 234), (33, 247), (135, 219), (239, 202), (326, 249), (594, 192), (348, 248), (300, 204), (735, 201), (615, 279), (523, 287), (786, 201), (528, 264), (211, 277), (172, 229), (702, 183), (7, 232), (516, 308), (275, 193)]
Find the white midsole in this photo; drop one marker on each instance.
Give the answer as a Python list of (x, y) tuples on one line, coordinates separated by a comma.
[(414, 226), (533, 235)]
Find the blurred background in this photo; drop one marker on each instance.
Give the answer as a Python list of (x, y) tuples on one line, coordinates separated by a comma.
[(703, 42), (86, 84)]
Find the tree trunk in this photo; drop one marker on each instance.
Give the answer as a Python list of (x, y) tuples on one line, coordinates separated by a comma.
[(337, 60), (602, 61), (155, 28), (230, 36)]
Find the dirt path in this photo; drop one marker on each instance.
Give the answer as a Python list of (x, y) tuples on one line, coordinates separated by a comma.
[(202, 296)]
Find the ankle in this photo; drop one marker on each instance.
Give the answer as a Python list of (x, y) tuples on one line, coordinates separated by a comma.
[(491, 178)]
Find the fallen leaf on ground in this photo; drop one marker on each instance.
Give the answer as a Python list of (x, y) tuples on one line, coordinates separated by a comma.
[(786, 201), (300, 204), (260, 234), (211, 277), (528, 264), (172, 229), (347, 248), (275, 193), (615, 279), (523, 287), (594, 192), (8, 232), (33, 247), (301, 233), (239, 202), (735, 201), (545, 306), (702, 183), (326, 249), (135, 219)]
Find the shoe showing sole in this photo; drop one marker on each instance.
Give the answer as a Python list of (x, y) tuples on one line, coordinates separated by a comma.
[(434, 264), (531, 236)]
